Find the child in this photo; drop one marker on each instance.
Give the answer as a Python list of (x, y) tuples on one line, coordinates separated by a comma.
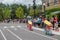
[(30, 25), (48, 30), (48, 27)]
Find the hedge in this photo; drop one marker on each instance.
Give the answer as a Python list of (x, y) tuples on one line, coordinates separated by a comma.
[(52, 10), (48, 12)]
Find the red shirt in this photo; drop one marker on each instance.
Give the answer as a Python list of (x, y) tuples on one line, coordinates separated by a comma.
[(55, 19), (43, 19)]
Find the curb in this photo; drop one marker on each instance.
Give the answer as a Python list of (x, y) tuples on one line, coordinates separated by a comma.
[(53, 32)]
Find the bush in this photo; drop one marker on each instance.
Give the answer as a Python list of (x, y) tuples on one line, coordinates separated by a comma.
[(52, 10), (48, 12), (0, 18)]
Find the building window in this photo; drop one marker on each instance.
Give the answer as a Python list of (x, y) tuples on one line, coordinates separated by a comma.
[(55, 2)]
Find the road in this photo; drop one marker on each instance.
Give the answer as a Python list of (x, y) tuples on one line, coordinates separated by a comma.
[(16, 31)]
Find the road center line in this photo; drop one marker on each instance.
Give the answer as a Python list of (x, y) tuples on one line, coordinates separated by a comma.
[(3, 35), (14, 34), (39, 34)]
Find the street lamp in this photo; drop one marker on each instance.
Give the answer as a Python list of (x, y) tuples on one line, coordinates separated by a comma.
[(44, 9), (34, 6)]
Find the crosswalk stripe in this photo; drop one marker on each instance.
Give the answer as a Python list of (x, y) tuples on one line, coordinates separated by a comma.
[(14, 34), (12, 27), (19, 26), (5, 27), (3, 35)]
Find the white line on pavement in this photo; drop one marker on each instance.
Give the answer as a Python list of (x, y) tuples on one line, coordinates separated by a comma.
[(3, 35), (5, 27), (39, 34), (19, 26), (12, 26), (14, 34)]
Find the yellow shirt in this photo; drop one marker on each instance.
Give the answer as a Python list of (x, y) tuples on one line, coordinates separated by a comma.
[(48, 23), (29, 22)]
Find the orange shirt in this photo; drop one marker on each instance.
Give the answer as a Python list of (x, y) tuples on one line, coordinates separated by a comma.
[(48, 27)]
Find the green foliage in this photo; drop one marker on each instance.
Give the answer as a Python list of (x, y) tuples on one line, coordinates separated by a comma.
[(14, 6), (2, 5), (52, 10), (17, 11), (58, 16), (1, 11), (37, 11), (48, 12), (31, 12), (1, 18), (6, 13), (25, 8), (20, 12)]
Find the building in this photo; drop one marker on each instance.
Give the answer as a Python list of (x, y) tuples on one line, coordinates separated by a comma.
[(51, 3)]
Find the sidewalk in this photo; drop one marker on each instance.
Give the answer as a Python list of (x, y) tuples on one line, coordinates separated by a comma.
[(53, 32)]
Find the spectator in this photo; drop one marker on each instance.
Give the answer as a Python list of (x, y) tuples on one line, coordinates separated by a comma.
[(43, 19), (34, 21), (55, 21), (38, 21)]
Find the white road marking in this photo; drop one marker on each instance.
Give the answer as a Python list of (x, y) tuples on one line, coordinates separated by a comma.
[(39, 34), (12, 26), (5, 27), (3, 35), (15, 28), (19, 26), (14, 34)]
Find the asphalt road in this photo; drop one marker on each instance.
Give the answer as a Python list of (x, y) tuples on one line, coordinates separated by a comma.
[(16, 31)]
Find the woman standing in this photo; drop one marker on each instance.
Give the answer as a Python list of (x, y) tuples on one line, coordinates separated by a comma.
[(55, 22)]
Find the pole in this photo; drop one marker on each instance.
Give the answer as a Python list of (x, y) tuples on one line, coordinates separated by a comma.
[(34, 7), (44, 11), (34, 13)]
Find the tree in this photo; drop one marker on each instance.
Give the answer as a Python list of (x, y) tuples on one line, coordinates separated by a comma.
[(37, 11), (20, 12), (1, 10), (25, 9), (13, 8), (6, 13), (31, 12), (1, 17), (2, 5)]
